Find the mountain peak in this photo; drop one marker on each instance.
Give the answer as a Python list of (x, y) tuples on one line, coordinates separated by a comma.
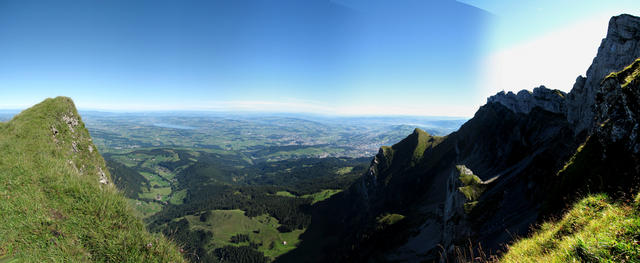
[(58, 202), (420, 132), (624, 27), (619, 49)]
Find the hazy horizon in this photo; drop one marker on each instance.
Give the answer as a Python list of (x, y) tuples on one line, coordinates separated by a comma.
[(247, 113)]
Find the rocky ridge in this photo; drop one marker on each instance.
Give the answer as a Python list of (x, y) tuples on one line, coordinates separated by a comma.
[(618, 109), (525, 101), (619, 49)]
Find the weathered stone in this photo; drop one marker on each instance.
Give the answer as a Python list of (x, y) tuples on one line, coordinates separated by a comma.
[(103, 177), (525, 101), (619, 49), (70, 121), (74, 145), (618, 113)]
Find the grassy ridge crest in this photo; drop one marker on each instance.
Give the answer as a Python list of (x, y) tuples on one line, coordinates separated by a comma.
[(56, 199)]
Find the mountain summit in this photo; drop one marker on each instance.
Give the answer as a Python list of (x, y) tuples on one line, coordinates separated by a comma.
[(57, 202)]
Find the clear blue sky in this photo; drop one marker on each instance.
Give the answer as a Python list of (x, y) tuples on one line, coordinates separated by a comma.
[(345, 56)]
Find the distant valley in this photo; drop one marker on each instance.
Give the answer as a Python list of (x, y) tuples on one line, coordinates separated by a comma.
[(258, 136), (225, 185)]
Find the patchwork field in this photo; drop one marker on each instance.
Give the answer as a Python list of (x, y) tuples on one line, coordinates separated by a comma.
[(261, 230)]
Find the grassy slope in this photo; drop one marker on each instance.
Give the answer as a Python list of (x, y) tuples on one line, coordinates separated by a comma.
[(412, 148), (406, 154), (322, 195), (594, 230), (315, 197), (261, 230), (52, 206)]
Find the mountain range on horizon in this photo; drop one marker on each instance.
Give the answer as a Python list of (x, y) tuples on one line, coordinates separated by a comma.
[(539, 175)]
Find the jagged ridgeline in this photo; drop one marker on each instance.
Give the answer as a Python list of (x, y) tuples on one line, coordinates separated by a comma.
[(57, 202)]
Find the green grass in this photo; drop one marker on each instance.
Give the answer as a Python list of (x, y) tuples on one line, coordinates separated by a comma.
[(421, 145), (594, 230), (411, 149), (162, 192), (344, 170), (315, 197), (389, 219), (154, 179), (178, 197), (386, 220), (52, 205), (322, 195), (261, 230), (285, 194), (627, 75), (145, 209), (472, 187)]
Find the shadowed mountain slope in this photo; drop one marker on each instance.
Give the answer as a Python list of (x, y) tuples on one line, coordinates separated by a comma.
[(504, 170)]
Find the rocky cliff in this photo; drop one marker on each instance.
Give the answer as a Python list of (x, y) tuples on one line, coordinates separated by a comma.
[(620, 47), (617, 50), (617, 109), (525, 101)]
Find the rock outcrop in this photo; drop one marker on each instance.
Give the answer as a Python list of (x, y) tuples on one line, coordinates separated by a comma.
[(525, 101), (619, 49), (618, 109), (609, 159)]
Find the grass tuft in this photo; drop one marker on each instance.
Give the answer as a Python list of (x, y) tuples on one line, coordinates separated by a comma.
[(594, 230), (626, 75), (386, 220)]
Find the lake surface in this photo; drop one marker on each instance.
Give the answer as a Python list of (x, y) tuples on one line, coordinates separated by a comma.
[(173, 126)]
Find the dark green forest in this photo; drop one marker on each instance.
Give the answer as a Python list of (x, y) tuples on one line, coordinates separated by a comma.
[(216, 181)]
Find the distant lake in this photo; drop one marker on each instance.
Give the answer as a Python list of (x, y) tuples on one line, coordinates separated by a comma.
[(173, 126)]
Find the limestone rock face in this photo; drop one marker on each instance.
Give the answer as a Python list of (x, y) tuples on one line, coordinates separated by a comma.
[(618, 110), (619, 49), (525, 101)]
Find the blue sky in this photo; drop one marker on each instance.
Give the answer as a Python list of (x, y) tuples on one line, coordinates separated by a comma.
[(356, 57)]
